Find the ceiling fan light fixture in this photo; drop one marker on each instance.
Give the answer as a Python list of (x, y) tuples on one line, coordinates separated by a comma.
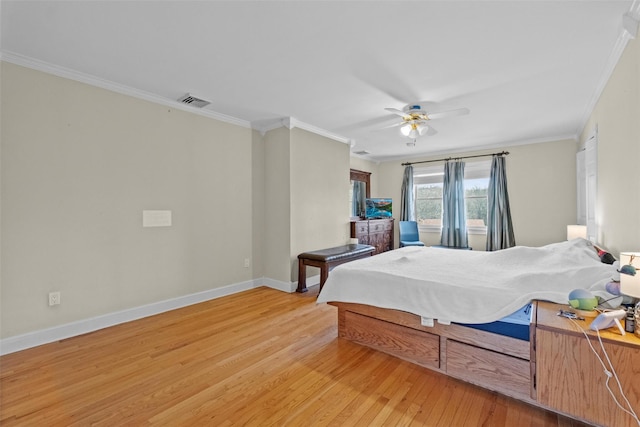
[(415, 119), (414, 129)]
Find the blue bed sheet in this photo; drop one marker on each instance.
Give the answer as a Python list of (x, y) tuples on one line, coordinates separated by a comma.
[(515, 325)]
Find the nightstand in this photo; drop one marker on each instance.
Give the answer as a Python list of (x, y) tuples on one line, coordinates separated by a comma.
[(570, 378)]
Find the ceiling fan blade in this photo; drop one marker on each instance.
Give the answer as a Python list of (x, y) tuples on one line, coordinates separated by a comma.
[(431, 131), (398, 112), (374, 122), (450, 113), (392, 126), (380, 76)]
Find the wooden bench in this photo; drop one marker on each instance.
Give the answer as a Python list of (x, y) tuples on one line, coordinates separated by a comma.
[(326, 259)]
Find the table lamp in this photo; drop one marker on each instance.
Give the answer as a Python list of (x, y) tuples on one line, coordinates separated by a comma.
[(575, 231), (630, 284)]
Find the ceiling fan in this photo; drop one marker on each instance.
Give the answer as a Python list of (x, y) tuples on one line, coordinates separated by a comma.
[(414, 120)]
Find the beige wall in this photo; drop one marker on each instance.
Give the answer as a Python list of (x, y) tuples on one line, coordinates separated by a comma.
[(277, 212), (617, 117), (258, 201), (541, 180), (306, 198), (79, 165), (319, 194)]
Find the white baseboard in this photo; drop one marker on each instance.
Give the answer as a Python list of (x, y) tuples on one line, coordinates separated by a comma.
[(68, 330), (289, 287)]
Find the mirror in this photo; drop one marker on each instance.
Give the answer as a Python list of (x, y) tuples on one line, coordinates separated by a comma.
[(360, 190)]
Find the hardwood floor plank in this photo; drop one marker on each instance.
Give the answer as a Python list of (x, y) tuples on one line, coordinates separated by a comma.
[(470, 405), (431, 393), (335, 404), (308, 392), (260, 357), (410, 407), (264, 374), (364, 382), (494, 413)]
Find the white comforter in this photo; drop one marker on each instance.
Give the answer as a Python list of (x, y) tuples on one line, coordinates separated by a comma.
[(469, 286)]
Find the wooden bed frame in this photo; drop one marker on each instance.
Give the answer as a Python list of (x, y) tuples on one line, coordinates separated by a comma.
[(561, 375), (492, 361)]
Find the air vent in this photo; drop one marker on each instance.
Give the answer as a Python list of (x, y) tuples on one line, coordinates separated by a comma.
[(193, 101), (361, 152)]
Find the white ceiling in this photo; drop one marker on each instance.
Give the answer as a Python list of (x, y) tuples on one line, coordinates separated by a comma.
[(528, 71)]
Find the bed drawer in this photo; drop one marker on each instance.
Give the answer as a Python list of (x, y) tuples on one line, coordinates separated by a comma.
[(394, 339), (489, 369)]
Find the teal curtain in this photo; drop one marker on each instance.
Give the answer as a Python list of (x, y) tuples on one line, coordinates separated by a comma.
[(359, 192), (407, 201), (499, 228), (454, 217)]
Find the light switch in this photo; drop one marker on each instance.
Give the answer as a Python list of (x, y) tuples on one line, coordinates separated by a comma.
[(156, 218)]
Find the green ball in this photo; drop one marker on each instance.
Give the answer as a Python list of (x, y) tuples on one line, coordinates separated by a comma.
[(582, 300)]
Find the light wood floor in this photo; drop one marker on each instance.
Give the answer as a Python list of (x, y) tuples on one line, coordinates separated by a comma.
[(258, 358)]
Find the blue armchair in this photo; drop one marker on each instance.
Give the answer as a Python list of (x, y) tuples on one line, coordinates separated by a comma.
[(409, 235)]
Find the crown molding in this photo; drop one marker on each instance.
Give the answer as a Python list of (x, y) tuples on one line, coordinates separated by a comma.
[(262, 127), (291, 122), (70, 74), (493, 146), (295, 123), (628, 24)]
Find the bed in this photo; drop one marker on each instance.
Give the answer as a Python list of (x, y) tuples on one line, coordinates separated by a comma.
[(468, 314)]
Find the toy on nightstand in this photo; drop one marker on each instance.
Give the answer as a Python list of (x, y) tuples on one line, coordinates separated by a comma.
[(583, 302)]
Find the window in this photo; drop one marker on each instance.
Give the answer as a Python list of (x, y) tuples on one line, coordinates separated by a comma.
[(427, 183)]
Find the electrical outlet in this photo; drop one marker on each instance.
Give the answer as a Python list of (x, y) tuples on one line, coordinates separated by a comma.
[(54, 298), (247, 262)]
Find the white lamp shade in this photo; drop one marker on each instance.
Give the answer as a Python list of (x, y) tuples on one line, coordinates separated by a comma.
[(575, 231), (630, 285), (625, 259), (405, 129)]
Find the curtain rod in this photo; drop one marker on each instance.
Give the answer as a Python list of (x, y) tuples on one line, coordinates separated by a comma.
[(503, 153)]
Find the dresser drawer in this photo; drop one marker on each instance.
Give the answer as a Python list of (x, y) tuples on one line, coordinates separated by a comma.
[(379, 226), (374, 232), (359, 229)]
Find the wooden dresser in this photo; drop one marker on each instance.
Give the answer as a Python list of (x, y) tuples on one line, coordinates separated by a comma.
[(374, 232)]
